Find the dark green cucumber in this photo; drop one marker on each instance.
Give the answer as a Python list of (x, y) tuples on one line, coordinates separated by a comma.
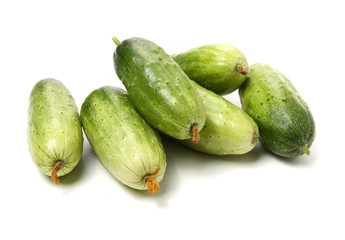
[(228, 129), (221, 68), (159, 89), (285, 121), (128, 147), (55, 136)]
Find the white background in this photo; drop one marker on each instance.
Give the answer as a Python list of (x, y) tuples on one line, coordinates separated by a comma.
[(254, 196)]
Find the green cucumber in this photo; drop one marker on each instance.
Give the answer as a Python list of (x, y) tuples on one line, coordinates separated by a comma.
[(159, 89), (285, 121), (55, 135), (221, 67), (228, 129), (128, 147)]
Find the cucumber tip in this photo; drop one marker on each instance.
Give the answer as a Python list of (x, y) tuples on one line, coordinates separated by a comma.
[(116, 41), (151, 185), (255, 138), (305, 149), (195, 134), (55, 170), (241, 69)]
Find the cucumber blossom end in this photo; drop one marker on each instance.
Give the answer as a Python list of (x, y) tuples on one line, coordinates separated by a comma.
[(195, 134), (151, 185), (241, 69), (55, 170), (255, 138)]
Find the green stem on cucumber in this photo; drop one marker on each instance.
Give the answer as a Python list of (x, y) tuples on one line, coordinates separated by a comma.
[(305, 149), (116, 41)]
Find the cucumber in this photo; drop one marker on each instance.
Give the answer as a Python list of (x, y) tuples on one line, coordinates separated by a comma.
[(228, 129), (221, 67), (286, 124), (54, 131), (159, 89), (128, 147)]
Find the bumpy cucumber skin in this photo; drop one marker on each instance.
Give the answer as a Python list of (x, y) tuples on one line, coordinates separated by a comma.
[(228, 129), (127, 146), (284, 119), (54, 128), (158, 88), (214, 66)]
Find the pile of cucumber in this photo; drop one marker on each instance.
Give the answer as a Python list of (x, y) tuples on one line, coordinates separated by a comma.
[(175, 95)]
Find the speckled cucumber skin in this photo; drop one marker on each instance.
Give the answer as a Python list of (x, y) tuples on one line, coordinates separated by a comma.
[(214, 66), (54, 128), (284, 119), (228, 129), (158, 88), (127, 146)]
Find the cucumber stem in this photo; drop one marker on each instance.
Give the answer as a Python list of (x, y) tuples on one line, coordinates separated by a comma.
[(116, 41), (255, 138), (305, 149), (55, 170), (241, 70), (195, 134), (151, 185)]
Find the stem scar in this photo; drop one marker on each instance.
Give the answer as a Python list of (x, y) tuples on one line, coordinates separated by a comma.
[(241, 70), (55, 170), (254, 138), (195, 134), (151, 185)]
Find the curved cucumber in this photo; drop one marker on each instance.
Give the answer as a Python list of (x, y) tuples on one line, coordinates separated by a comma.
[(126, 145), (285, 122), (228, 129), (221, 68), (54, 131), (159, 89)]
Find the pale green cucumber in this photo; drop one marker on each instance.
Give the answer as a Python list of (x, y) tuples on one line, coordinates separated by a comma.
[(54, 130), (128, 147), (220, 67), (228, 129)]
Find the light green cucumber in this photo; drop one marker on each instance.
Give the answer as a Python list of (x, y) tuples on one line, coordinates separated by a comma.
[(128, 147), (159, 89), (220, 67), (228, 129), (54, 130), (285, 121)]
